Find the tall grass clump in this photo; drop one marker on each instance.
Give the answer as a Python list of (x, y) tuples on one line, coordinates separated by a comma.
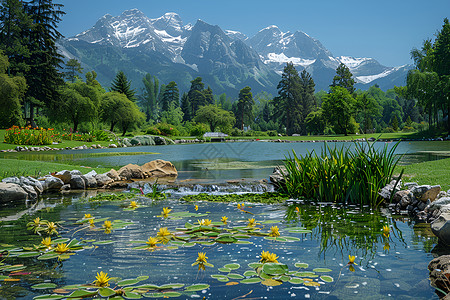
[(341, 175)]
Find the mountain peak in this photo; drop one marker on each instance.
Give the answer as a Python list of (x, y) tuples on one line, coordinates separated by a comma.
[(133, 13)]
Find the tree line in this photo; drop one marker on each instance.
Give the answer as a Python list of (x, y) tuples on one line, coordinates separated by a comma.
[(36, 84)]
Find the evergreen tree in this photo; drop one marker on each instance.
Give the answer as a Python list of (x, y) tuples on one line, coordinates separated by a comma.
[(307, 98), (15, 26), (170, 97), (287, 104), (43, 77), (344, 78), (150, 96), (121, 85), (209, 97), (338, 108), (394, 123), (245, 105), (196, 96), (186, 107), (369, 108), (73, 68)]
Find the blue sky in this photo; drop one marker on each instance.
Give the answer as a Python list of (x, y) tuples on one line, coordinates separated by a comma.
[(384, 30)]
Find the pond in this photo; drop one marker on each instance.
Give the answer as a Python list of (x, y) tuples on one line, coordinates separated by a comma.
[(314, 244), (218, 162)]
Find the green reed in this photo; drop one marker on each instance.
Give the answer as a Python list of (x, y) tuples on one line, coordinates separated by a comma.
[(341, 175)]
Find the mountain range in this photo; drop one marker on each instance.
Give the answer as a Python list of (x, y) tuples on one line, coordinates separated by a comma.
[(226, 60)]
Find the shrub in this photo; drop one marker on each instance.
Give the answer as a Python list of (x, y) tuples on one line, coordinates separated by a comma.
[(101, 135), (29, 136), (340, 175), (237, 132), (408, 129), (388, 130), (272, 133), (153, 131), (199, 129), (167, 129)]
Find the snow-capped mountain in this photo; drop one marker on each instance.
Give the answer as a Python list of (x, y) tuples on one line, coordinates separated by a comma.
[(227, 60)]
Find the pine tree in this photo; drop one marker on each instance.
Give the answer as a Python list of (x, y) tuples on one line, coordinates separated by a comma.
[(170, 97), (244, 107), (121, 85), (186, 108), (344, 78), (150, 96), (307, 98), (209, 97), (196, 96), (43, 78), (73, 67)]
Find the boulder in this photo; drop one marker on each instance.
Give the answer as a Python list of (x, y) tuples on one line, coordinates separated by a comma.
[(159, 168), (112, 146), (91, 182), (386, 192), (92, 173), (131, 171), (77, 183), (113, 175), (431, 194), (404, 197), (36, 184), (439, 274), (32, 194), (11, 180), (438, 204), (277, 176), (51, 183), (410, 185), (64, 176), (442, 194), (143, 140), (441, 228), (103, 179), (11, 192), (76, 172)]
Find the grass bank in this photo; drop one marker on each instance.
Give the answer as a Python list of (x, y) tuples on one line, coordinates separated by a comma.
[(430, 172), (15, 167), (339, 137)]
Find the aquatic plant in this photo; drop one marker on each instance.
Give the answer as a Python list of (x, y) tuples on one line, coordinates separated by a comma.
[(251, 222), (201, 261), (274, 231), (163, 232), (351, 263), (341, 175), (152, 242), (224, 220), (165, 212), (386, 231), (102, 279), (47, 242), (196, 207), (61, 248), (204, 222), (133, 205)]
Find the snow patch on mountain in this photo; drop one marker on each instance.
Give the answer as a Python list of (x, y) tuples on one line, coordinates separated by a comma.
[(282, 59), (370, 78), (352, 62)]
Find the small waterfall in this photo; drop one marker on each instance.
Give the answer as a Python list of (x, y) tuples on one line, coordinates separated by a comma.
[(213, 189)]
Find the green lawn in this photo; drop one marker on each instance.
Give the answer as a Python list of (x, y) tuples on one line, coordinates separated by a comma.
[(389, 136), (15, 167), (430, 172)]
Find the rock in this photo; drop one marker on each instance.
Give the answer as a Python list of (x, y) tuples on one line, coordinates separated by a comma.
[(64, 176), (126, 142), (36, 184), (438, 204), (143, 140), (404, 197), (421, 206), (386, 191), (131, 171), (439, 273), (441, 228), (103, 179), (112, 146), (32, 194), (76, 172), (431, 194), (77, 183), (51, 183), (118, 185), (442, 194), (276, 178), (11, 192), (92, 173), (113, 175), (91, 182), (409, 185), (160, 140), (11, 180), (65, 187), (420, 190), (159, 168)]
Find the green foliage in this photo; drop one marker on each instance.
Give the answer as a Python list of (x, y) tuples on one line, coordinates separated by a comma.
[(344, 79), (29, 136), (199, 129), (268, 198), (368, 108), (73, 68), (339, 107), (244, 107), (215, 117), (340, 175), (167, 129), (171, 97), (121, 85), (173, 115), (315, 122)]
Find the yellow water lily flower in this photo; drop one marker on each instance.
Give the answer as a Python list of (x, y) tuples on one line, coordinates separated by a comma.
[(224, 219), (166, 212), (274, 231), (61, 248), (204, 222), (251, 222), (87, 216), (37, 221), (91, 223), (107, 225), (201, 259), (266, 256), (196, 207), (47, 242), (351, 260), (239, 206), (152, 241), (163, 231), (51, 228), (133, 204), (386, 231), (101, 279)]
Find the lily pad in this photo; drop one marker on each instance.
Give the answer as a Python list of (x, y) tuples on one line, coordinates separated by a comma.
[(232, 266), (225, 270), (291, 239), (301, 265), (296, 281), (235, 276), (29, 254), (43, 286), (250, 273), (171, 286), (271, 282), (197, 287), (255, 265), (49, 297), (81, 294), (103, 242), (106, 292), (300, 231), (251, 280), (322, 270), (306, 274), (327, 278), (48, 256), (275, 268), (126, 282), (226, 239), (130, 295)]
